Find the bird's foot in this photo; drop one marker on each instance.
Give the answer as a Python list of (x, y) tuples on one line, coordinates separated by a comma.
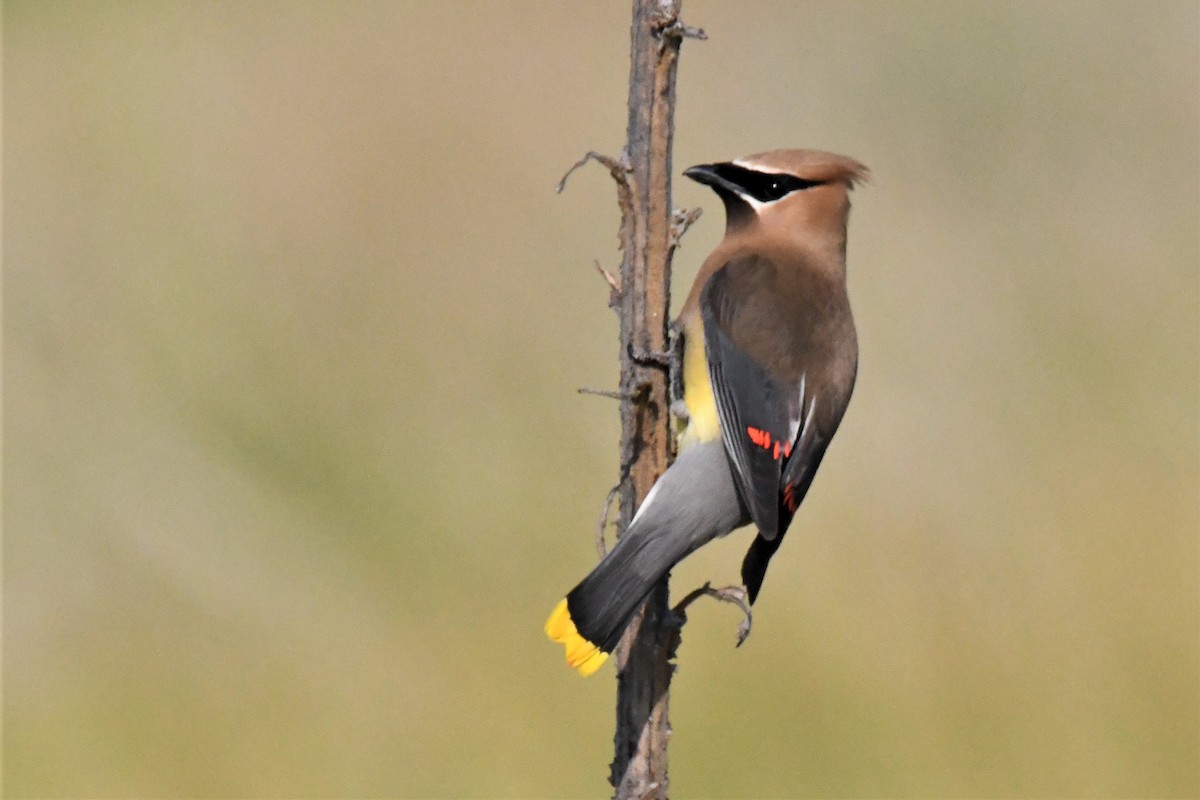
[(651, 358), (670, 359)]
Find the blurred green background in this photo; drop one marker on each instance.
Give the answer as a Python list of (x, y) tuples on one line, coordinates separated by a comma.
[(295, 467)]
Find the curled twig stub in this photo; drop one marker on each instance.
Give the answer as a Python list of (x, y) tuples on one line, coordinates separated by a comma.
[(735, 595), (681, 220), (614, 285), (601, 545), (616, 167), (680, 31), (667, 24)]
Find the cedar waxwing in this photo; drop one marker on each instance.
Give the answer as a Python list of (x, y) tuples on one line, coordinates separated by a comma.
[(769, 360)]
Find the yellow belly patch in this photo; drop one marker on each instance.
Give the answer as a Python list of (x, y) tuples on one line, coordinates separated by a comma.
[(703, 424)]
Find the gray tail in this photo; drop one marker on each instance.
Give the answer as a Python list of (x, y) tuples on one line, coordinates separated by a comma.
[(604, 602), (693, 503)]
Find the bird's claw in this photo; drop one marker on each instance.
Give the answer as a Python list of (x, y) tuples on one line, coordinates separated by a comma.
[(738, 596), (652, 358)]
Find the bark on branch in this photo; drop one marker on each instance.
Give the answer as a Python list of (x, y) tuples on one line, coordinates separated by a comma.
[(649, 234)]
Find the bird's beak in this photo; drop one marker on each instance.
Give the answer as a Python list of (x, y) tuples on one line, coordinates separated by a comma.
[(711, 175)]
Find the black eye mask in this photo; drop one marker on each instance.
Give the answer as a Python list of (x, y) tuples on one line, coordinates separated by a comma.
[(764, 187)]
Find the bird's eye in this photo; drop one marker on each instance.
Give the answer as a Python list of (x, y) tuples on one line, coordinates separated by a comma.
[(777, 187)]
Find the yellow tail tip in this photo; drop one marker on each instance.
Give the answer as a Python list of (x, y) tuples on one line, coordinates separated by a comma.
[(581, 654)]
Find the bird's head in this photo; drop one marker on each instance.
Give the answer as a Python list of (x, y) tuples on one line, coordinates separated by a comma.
[(791, 193)]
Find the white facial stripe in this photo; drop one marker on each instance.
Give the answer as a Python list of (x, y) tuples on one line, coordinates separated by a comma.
[(757, 205), (760, 167)]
